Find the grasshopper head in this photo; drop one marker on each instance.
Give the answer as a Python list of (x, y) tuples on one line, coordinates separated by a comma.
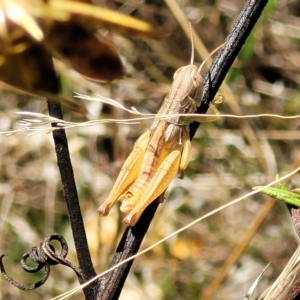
[(189, 74), (187, 82)]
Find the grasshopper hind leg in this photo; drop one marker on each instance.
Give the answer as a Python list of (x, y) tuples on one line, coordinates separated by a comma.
[(158, 184), (127, 175)]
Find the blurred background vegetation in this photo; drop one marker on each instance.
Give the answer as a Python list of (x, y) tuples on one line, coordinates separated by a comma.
[(229, 157)]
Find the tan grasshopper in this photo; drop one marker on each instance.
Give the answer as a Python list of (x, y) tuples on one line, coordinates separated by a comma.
[(161, 151)]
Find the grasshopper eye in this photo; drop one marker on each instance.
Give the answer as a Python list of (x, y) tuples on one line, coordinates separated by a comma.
[(177, 72), (196, 78)]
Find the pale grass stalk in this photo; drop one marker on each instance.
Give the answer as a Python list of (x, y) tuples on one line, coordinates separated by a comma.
[(42, 123), (255, 283), (281, 286)]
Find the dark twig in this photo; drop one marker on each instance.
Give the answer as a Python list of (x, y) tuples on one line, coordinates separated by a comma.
[(295, 214), (71, 198), (241, 29), (112, 284), (44, 256)]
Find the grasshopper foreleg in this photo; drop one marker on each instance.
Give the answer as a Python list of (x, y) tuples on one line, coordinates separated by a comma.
[(212, 106)]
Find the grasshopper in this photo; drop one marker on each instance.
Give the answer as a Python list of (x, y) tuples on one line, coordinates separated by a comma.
[(163, 150)]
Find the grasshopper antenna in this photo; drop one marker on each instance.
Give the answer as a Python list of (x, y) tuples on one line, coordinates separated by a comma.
[(210, 54), (192, 41)]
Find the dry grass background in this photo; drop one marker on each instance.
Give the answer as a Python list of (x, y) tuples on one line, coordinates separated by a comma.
[(225, 162)]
